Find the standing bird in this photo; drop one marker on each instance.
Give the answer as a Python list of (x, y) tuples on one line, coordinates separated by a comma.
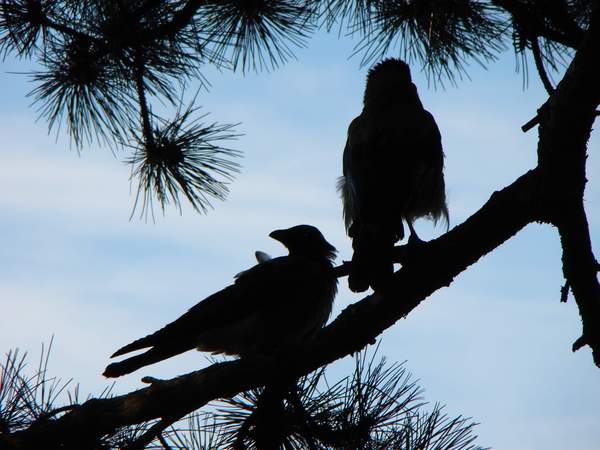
[(392, 171), (278, 302)]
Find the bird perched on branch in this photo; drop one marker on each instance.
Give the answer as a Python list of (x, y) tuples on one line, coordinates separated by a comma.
[(278, 302), (392, 171)]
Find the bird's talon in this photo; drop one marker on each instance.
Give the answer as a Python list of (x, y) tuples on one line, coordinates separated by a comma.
[(415, 242)]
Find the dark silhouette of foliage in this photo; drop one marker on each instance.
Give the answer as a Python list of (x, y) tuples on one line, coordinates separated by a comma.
[(380, 406), (28, 399), (180, 156)]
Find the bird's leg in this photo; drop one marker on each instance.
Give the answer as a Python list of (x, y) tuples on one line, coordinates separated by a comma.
[(414, 237), (415, 243)]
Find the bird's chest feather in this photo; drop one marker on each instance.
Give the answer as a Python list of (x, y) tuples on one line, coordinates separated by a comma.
[(384, 143)]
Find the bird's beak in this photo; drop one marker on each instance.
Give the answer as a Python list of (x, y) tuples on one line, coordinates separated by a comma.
[(279, 235)]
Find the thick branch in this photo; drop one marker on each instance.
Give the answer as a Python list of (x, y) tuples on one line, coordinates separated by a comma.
[(565, 126), (580, 270), (437, 264)]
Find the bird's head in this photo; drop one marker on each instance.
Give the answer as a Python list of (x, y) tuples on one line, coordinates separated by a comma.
[(387, 78), (305, 240)]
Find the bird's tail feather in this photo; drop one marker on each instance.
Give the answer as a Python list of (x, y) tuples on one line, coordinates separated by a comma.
[(345, 188), (438, 205), (145, 342), (135, 362)]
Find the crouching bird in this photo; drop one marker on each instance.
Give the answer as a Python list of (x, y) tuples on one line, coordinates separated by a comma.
[(392, 171), (278, 302)]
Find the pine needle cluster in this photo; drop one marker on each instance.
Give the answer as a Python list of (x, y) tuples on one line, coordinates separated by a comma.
[(379, 406)]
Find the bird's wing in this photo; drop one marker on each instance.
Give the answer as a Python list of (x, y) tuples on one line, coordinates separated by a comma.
[(288, 298), (389, 150), (258, 313), (376, 164), (263, 286), (199, 317), (347, 182), (428, 139), (428, 193), (269, 282)]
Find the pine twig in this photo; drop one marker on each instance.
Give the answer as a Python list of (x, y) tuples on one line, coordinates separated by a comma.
[(539, 65), (152, 433)]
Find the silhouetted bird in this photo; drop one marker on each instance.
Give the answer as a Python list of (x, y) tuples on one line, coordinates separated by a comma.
[(392, 171), (278, 302)]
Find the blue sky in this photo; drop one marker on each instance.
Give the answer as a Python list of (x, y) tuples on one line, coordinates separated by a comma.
[(495, 345)]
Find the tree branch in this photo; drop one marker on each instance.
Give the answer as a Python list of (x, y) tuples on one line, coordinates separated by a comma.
[(526, 19), (179, 21), (66, 30), (141, 93), (152, 433), (437, 263), (579, 268), (588, 93), (565, 126), (539, 65)]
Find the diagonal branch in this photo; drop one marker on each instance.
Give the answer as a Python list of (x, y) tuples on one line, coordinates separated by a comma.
[(152, 433), (438, 262)]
